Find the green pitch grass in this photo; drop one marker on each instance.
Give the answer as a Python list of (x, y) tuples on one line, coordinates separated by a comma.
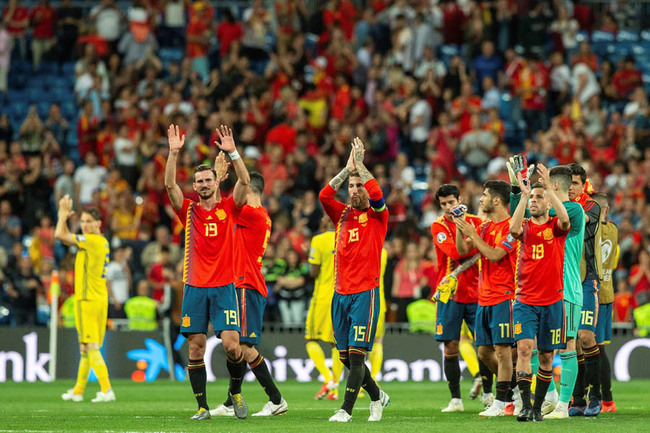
[(167, 406)]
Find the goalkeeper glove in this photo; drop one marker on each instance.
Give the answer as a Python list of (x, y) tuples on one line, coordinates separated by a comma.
[(517, 164), (446, 289)]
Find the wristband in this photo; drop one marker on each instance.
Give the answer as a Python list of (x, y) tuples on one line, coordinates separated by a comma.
[(234, 155)]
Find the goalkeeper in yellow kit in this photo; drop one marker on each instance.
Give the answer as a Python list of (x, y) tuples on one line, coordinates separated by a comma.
[(91, 297)]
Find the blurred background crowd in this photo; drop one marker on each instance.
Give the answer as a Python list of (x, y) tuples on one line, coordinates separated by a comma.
[(440, 91)]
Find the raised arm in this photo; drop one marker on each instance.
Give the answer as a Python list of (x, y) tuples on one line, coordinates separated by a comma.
[(560, 210), (61, 231), (516, 223), (176, 142), (358, 150), (463, 245), (224, 134), (338, 180)]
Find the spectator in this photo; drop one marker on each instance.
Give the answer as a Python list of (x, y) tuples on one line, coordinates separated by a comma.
[(160, 274), (229, 33), (22, 287), (429, 63), (476, 147), (626, 79), (118, 282), (583, 83), (68, 20), (88, 178), (640, 280), (38, 190), (623, 303), (31, 132), (43, 18), (108, 21), (141, 310), (152, 252), (533, 30), (126, 155), (5, 59), (585, 56), (10, 227), (566, 29), (531, 85), (172, 32), (57, 125), (65, 182), (560, 82), (198, 40), (10, 186), (125, 221), (291, 288), (488, 64), (16, 19), (408, 280), (491, 95)]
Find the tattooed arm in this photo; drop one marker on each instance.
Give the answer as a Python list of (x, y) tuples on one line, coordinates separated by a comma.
[(338, 180), (358, 151)]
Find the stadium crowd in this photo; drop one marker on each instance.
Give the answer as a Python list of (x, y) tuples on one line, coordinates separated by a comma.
[(440, 91)]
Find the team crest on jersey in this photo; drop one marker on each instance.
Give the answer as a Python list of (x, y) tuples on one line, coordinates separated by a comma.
[(548, 234), (441, 237), (439, 328), (517, 328), (363, 218), (186, 322), (221, 214)]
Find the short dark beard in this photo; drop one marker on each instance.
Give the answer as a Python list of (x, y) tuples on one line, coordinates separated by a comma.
[(208, 197)]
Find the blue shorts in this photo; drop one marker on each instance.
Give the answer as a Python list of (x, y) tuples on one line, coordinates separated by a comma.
[(494, 324), (354, 318), (450, 317), (589, 314), (604, 325), (215, 304), (546, 322), (251, 308)]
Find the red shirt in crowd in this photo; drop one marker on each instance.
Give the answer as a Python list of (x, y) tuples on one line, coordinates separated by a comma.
[(19, 21), (43, 19), (227, 33)]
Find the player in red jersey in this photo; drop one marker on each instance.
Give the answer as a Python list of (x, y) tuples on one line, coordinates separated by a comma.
[(209, 276), (252, 233), (539, 307), (360, 232), (450, 316), (494, 328)]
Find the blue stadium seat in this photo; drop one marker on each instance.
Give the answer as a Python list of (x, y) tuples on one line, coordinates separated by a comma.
[(600, 36), (627, 36), (62, 83), (69, 110), (34, 94), (48, 68), (67, 69), (19, 111), (17, 81), (582, 36), (60, 94), (170, 54), (18, 95), (43, 110), (505, 106)]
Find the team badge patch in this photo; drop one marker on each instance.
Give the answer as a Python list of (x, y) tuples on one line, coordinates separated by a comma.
[(548, 234), (517, 328), (186, 322), (441, 237), (439, 329), (221, 214), (363, 218), (510, 238)]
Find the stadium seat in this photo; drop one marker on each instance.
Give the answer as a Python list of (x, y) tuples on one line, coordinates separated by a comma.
[(170, 54), (19, 111), (645, 35), (69, 110), (48, 68), (600, 36), (505, 106), (34, 94), (627, 36), (17, 81), (67, 69), (60, 95), (582, 36), (43, 110)]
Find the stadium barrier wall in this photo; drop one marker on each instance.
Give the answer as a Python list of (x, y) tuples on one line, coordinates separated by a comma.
[(142, 356)]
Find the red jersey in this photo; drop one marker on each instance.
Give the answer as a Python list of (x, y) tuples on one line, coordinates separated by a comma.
[(209, 243), (252, 235), (444, 239), (540, 263), (359, 239), (496, 280)]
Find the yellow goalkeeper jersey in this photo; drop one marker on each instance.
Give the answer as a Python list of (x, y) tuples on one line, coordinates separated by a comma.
[(90, 268), (322, 253)]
